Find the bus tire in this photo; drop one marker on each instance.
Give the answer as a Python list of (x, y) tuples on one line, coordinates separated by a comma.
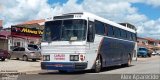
[(128, 62), (62, 71), (98, 64)]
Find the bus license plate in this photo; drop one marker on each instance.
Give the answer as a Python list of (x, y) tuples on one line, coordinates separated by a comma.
[(59, 56)]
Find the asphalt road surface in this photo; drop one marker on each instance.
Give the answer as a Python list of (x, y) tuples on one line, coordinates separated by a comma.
[(143, 69)]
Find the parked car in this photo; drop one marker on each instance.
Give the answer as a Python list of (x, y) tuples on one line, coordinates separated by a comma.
[(144, 52), (25, 53), (154, 53), (157, 52), (3, 54)]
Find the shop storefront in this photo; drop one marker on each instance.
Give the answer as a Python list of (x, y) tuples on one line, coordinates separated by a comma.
[(22, 35)]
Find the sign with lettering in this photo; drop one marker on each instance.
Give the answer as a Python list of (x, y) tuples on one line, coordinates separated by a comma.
[(59, 56), (23, 31)]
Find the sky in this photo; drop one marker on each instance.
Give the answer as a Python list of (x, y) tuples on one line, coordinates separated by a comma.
[(144, 14)]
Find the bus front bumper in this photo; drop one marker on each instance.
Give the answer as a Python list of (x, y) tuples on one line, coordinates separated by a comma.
[(66, 66)]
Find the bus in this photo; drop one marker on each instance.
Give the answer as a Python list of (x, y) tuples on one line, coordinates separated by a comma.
[(82, 41)]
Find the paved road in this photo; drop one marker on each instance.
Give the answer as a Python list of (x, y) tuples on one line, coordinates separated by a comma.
[(148, 66), (141, 66)]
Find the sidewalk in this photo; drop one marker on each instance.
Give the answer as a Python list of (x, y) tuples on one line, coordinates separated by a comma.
[(19, 66), (156, 57)]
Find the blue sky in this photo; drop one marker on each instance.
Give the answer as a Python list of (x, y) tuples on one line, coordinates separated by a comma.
[(148, 10), (57, 1)]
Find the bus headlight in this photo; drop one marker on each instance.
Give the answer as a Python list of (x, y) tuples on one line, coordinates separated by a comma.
[(46, 57), (74, 57)]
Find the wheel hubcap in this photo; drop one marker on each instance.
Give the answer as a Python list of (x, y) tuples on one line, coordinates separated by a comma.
[(25, 58), (129, 61), (98, 64)]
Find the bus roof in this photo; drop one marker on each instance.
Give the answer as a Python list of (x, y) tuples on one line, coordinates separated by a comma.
[(95, 17)]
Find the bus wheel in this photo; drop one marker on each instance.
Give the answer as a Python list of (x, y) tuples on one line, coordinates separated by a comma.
[(62, 71), (98, 65), (128, 62)]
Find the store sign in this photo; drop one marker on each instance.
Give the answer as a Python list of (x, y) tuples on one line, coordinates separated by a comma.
[(23, 31), (30, 31)]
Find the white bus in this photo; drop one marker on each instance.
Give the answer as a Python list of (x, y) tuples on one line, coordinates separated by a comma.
[(80, 41)]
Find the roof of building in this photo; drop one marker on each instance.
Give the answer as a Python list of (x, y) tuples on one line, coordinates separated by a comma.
[(5, 33), (33, 22), (35, 25), (149, 39), (141, 38), (146, 46)]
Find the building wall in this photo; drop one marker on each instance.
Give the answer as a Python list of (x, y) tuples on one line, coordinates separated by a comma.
[(14, 41), (4, 44), (1, 26), (142, 41), (22, 42)]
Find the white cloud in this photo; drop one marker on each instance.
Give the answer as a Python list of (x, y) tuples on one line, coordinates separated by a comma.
[(117, 10), (18, 11), (152, 27), (155, 3)]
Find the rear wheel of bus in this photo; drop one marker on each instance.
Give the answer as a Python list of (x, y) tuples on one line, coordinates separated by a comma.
[(128, 62), (62, 71)]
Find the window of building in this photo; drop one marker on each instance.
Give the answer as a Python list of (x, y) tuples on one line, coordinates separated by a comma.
[(16, 43)]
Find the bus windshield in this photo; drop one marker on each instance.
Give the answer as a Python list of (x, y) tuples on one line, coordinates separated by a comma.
[(65, 30)]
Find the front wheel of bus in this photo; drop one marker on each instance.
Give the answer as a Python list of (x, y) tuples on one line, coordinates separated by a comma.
[(98, 64)]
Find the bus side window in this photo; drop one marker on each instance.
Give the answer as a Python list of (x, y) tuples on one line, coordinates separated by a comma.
[(123, 34), (134, 36), (128, 35), (116, 32), (99, 27), (106, 29), (110, 31), (91, 32)]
